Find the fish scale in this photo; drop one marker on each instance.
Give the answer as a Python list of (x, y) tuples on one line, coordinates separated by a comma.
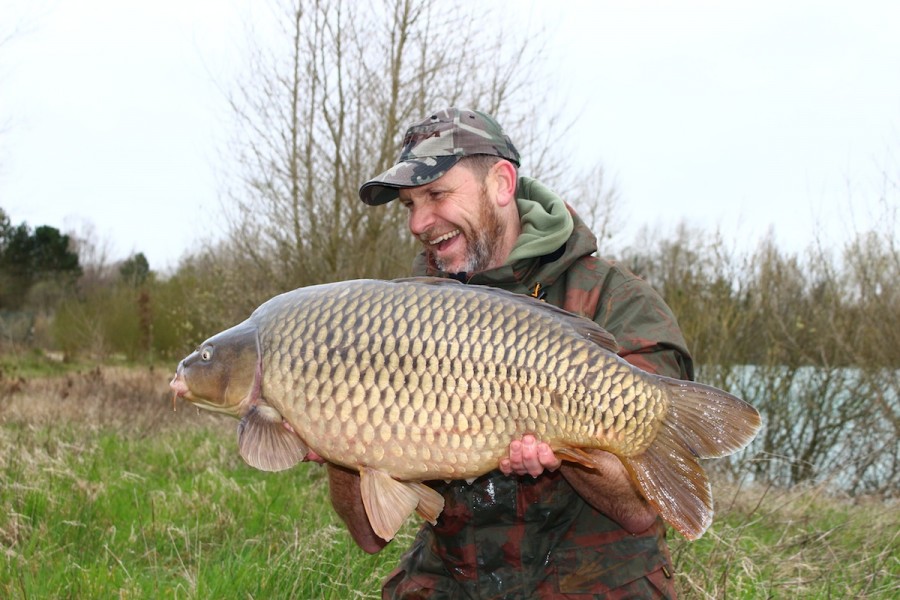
[(421, 379)]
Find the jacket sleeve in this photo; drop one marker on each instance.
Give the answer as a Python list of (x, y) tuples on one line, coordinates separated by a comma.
[(644, 326)]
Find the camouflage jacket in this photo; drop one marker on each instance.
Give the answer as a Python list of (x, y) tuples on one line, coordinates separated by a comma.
[(515, 538)]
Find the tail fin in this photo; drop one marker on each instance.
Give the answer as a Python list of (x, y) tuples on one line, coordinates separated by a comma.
[(702, 422)]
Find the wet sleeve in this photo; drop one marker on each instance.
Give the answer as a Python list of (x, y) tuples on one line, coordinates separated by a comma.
[(645, 328)]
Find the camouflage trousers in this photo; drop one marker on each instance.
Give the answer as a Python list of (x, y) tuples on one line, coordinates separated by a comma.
[(516, 539), (401, 585)]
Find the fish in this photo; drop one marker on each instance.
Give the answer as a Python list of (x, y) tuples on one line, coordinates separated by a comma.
[(421, 379)]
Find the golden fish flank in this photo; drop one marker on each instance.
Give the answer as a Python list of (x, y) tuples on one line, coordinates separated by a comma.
[(424, 379)]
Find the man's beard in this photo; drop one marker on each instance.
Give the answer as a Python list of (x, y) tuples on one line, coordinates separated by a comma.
[(482, 243)]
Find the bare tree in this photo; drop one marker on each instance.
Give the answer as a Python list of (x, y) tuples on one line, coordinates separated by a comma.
[(93, 252), (324, 106), (598, 202)]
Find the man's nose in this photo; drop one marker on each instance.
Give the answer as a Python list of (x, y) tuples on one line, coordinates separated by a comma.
[(421, 219)]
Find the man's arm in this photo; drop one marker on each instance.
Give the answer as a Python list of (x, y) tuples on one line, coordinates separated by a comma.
[(608, 489)]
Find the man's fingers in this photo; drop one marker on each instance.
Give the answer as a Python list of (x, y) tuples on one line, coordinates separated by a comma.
[(530, 460), (529, 457), (547, 457)]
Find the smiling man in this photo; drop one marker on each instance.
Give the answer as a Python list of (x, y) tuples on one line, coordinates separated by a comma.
[(535, 527)]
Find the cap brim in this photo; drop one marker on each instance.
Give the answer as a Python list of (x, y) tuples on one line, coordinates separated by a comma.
[(409, 173)]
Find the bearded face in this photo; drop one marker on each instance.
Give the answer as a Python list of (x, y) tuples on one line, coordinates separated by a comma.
[(482, 237), (460, 222)]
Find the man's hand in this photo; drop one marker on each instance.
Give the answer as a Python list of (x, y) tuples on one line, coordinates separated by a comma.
[(606, 487), (529, 457)]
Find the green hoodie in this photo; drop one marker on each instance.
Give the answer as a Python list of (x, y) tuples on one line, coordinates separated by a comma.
[(546, 222)]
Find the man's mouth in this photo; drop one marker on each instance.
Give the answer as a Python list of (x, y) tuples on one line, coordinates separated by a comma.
[(437, 241)]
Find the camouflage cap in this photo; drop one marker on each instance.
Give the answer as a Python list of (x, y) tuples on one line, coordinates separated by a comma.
[(433, 146)]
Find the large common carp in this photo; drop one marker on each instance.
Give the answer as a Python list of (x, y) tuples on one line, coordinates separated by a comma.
[(426, 379)]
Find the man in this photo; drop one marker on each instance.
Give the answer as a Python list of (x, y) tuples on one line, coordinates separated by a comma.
[(536, 527)]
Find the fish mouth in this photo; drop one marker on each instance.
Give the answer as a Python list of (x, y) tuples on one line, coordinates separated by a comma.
[(178, 385)]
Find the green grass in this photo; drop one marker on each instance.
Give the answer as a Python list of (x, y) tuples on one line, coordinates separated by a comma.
[(30, 363), (768, 543), (106, 492), (172, 515)]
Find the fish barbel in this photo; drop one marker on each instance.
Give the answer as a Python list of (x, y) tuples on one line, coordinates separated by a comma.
[(423, 379)]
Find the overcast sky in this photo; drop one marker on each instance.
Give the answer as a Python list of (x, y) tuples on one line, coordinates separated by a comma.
[(746, 116)]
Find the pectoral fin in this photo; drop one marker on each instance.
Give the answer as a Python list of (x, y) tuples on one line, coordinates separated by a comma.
[(389, 502), (265, 443)]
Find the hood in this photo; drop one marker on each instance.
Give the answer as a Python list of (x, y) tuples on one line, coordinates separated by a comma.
[(553, 237), (545, 220)]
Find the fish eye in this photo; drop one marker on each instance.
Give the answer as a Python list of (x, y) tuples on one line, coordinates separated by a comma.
[(206, 353)]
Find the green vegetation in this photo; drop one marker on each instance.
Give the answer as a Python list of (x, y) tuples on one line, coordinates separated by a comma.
[(36, 266), (800, 543), (109, 493), (802, 338)]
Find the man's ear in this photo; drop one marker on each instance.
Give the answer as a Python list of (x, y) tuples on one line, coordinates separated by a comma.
[(503, 176)]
